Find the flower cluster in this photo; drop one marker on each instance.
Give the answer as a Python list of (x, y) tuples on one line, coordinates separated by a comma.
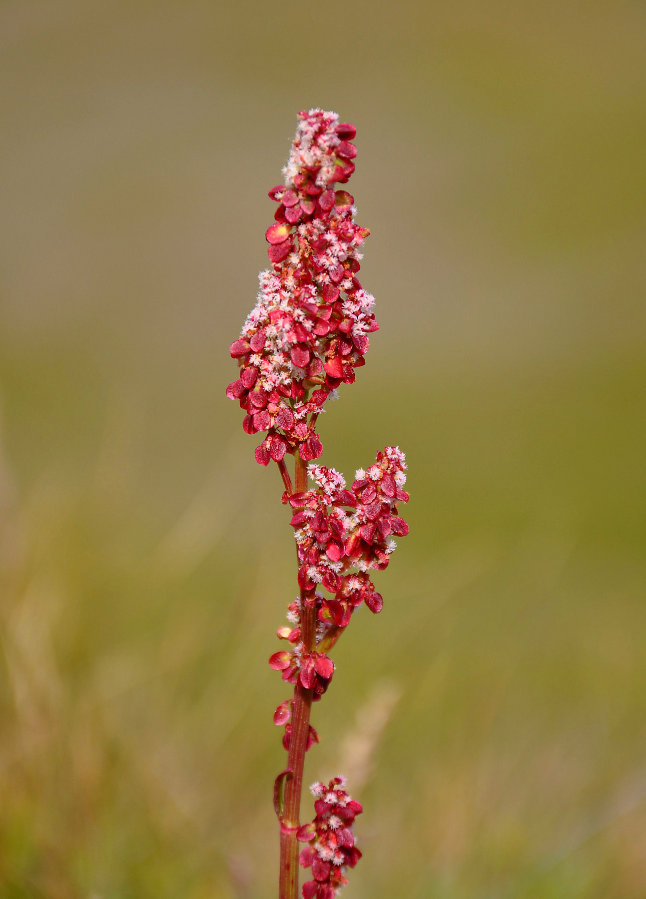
[(309, 329), (331, 846), (340, 535)]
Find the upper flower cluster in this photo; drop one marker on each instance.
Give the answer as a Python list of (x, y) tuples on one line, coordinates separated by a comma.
[(331, 841), (309, 329)]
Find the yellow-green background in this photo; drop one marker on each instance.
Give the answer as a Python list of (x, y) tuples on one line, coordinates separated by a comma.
[(493, 716)]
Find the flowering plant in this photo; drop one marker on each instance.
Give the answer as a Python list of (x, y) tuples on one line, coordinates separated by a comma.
[(305, 337)]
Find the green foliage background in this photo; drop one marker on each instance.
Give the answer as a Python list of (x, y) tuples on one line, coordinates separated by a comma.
[(492, 717)]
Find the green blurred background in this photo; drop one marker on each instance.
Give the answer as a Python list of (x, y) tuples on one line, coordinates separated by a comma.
[(492, 718)]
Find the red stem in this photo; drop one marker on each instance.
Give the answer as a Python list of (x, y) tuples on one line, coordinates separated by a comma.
[(288, 883)]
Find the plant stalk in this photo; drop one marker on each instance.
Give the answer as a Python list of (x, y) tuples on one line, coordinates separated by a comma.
[(288, 882)]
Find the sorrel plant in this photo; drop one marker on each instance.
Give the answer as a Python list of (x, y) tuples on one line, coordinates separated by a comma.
[(304, 338)]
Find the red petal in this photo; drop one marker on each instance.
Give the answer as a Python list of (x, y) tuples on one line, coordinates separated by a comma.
[(308, 675), (236, 389), (327, 200), (257, 400), (285, 419), (262, 454), (325, 667), (388, 485), (343, 199), (375, 602), (299, 355), (334, 551), (331, 581), (293, 214), (298, 499), (311, 888), (280, 660), (306, 833), (278, 252), (321, 328), (329, 293), (290, 198), (257, 342), (353, 546), (337, 273), (399, 526), (261, 420), (320, 869), (367, 532), (345, 149), (278, 448), (277, 233), (345, 130), (249, 376), (334, 367), (282, 714), (239, 348)]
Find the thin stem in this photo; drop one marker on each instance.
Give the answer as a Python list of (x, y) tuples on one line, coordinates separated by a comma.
[(287, 481), (288, 882)]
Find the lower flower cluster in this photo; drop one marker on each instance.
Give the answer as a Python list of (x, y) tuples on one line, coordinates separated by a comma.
[(331, 846)]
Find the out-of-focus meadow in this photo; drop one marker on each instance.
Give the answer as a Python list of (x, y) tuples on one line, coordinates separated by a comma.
[(492, 718)]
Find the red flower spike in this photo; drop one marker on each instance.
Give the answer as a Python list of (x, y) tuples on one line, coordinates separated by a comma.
[(307, 334)]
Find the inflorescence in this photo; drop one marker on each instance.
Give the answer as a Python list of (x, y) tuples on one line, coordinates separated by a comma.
[(306, 335)]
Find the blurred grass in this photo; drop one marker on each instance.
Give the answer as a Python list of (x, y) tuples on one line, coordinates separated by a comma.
[(494, 711)]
